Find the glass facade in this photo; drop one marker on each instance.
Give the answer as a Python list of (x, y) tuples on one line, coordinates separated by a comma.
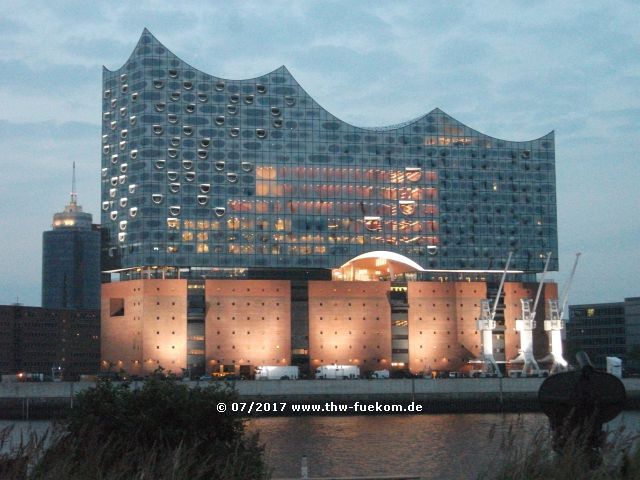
[(71, 260), (201, 171)]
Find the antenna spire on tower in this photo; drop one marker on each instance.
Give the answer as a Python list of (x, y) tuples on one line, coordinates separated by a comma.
[(74, 195)]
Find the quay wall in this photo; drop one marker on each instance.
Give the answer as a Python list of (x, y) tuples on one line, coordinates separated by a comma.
[(51, 399)]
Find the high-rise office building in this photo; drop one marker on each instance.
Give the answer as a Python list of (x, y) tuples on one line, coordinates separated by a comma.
[(71, 259), (606, 330), (248, 192)]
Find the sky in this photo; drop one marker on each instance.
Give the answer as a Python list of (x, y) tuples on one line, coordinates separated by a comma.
[(513, 70)]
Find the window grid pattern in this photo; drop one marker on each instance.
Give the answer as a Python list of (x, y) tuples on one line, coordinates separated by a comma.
[(203, 171)]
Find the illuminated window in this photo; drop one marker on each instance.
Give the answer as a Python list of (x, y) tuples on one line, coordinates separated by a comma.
[(202, 248), (187, 236)]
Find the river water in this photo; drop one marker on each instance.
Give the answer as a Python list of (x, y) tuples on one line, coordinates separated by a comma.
[(447, 446)]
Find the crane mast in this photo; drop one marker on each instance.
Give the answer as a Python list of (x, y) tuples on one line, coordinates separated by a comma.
[(525, 327), (554, 324), (486, 324)]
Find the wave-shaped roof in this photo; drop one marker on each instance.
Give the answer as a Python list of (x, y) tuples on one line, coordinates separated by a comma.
[(148, 42)]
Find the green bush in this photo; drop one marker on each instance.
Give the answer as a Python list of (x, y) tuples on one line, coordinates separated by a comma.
[(165, 430)]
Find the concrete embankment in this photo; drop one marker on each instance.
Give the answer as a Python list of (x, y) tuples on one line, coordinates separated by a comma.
[(48, 400)]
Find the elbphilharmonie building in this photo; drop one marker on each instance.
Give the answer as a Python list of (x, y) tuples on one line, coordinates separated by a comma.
[(219, 191)]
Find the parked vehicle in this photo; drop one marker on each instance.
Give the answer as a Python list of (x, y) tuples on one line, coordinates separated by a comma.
[(380, 374), (338, 372), (269, 372)]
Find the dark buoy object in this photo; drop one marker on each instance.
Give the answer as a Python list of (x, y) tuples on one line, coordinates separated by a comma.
[(580, 402)]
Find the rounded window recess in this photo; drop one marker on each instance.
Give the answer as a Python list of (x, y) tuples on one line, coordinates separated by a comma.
[(187, 164), (104, 172), (190, 176), (134, 96), (113, 125), (174, 187), (123, 168), (172, 152), (124, 133), (123, 111), (123, 145), (203, 97), (219, 211), (232, 177), (105, 138), (219, 165), (173, 73), (158, 84), (204, 143), (261, 88), (123, 202), (187, 130), (123, 77), (160, 107), (157, 198), (112, 192), (105, 206), (133, 211), (187, 85), (219, 86), (122, 236), (113, 215), (172, 118), (175, 96), (122, 179), (275, 111), (174, 211), (114, 181), (202, 199), (234, 98), (202, 153), (277, 123), (160, 164), (114, 158), (172, 175), (246, 166), (175, 141), (107, 93), (190, 108), (157, 129), (106, 115), (232, 109), (432, 249), (220, 120), (124, 88), (205, 187), (234, 132), (133, 120), (373, 224), (132, 188), (114, 102), (248, 99), (261, 132), (123, 225), (289, 101), (133, 154)]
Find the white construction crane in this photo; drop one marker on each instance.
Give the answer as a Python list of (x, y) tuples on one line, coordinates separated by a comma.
[(487, 324), (525, 327), (554, 325)]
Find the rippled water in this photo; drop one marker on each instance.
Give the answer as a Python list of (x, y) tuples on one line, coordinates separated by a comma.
[(432, 446)]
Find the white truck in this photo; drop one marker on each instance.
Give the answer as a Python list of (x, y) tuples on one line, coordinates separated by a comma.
[(337, 372), (380, 374), (614, 366), (277, 372)]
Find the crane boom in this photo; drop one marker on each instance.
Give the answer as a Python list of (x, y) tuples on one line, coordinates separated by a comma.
[(504, 275), (544, 272), (565, 293)]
